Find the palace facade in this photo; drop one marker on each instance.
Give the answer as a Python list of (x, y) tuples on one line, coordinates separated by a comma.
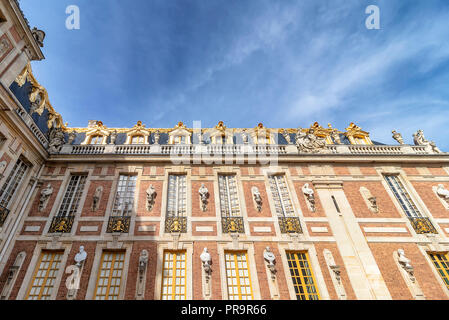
[(208, 213)]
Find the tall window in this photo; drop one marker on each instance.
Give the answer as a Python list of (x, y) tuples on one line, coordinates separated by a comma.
[(96, 140), (302, 276), (174, 276), (238, 277), (137, 139), (177, 196), (402, 196), (442, 264), (44, 277), (281, 196), (72, 196), (124, 198), (110, 275), (12, 182), (229, 199)]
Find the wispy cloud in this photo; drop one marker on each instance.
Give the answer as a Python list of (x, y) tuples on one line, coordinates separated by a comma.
[(284, 63)]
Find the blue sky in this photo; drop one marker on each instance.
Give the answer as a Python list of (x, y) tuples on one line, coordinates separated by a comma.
[(284, 63)]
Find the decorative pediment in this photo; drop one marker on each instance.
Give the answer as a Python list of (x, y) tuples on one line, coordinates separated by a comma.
[(98, 130), (138, 130), (179, 135), (262, 135), (220, 132), (356, 135)]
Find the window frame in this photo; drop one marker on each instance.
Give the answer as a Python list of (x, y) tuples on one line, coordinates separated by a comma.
[(173, 259), (236, 268), (301, 276), (175, 212), (12, 184), (229, 212), (111, 269), (77, 193), (115, 211), (279, 192), (55, 278)]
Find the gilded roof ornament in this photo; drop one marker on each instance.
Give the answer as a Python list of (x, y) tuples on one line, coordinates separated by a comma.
[(39, 98)]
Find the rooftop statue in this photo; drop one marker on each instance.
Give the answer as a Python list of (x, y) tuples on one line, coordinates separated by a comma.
[(309, 142), (420, 140)]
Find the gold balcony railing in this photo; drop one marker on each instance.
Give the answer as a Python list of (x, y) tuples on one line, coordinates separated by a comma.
[(119, 224), (232, 225), (422, 225), (290, 225), (176, 224), (4, 212), (61, 224)]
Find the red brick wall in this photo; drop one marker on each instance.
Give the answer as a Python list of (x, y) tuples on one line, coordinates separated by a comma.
[(34, 212), (196, 203), (383, 253), (101, 211), (250, 206), (437, 171), (386, 206), (19, 246), (89, 247), (259, 248), (304, 208), (142, 202), (332, 247), (131, 279), (198, 248), (430, 199)]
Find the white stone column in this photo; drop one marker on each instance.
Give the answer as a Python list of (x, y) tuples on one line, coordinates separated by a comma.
[(359, 262)]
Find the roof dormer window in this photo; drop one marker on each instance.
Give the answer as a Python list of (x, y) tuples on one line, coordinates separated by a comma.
[(138, 139), (96, 139)]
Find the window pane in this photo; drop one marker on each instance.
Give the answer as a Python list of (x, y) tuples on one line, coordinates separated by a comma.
[(302, 276), (238, 277), (173, 276), (45, 274)]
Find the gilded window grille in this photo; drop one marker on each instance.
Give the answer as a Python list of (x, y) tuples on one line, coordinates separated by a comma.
[(238, 276), (441, 263), (176, 220), (110, 274), (174, 276), (290, 225), (61, 224), (44, 277), (11, 184), (421, 224), (118, 224), (232, 225), (302, 276), (176, 224), (4, 212)]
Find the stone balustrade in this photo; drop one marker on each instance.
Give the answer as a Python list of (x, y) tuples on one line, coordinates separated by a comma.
[(241, 150)]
